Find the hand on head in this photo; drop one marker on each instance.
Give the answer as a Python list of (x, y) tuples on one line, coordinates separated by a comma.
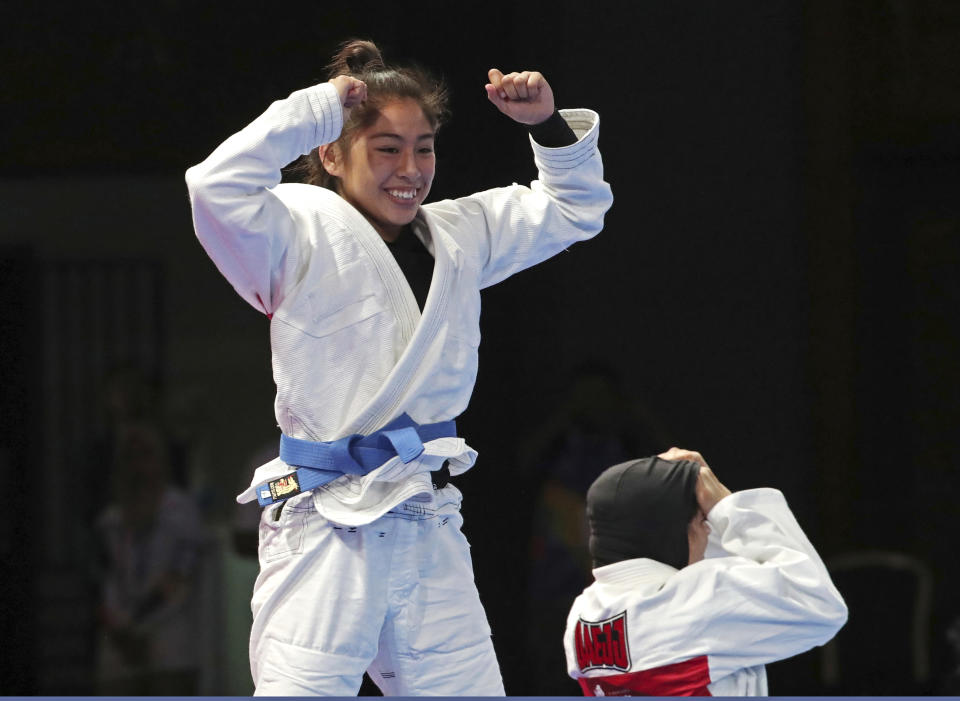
[(678, 454), (525, 97), (351, 92), (709, 489)]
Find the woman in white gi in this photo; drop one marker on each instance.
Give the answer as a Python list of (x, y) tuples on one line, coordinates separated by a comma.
[(695, 588), (374, 301)]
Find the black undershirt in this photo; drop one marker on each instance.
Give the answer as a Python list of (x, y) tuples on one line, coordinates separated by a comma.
[(554, 132), (415, 261), (410, 252)]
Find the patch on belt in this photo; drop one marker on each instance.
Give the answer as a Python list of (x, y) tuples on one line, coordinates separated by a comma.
[(284, 487)]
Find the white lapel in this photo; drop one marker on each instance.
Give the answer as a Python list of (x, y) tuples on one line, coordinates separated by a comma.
[(419, 331)]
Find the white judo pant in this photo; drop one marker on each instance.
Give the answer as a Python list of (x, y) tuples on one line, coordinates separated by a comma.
[(395, 597)]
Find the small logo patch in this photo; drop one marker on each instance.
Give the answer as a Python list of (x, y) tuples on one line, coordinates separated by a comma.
[(602, 644), (284, 487)]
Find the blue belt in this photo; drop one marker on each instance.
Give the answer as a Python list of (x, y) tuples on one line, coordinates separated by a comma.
[(320, 462)]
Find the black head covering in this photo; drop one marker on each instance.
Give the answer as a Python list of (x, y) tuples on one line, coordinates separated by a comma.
[(642, 508)]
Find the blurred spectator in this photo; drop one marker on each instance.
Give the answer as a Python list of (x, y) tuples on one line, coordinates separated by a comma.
[(151, 537), (128, 396)]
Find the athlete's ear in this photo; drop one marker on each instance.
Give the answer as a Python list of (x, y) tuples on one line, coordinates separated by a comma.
[(330, 159)]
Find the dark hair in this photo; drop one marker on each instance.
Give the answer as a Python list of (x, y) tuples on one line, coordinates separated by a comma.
[(361, 59)]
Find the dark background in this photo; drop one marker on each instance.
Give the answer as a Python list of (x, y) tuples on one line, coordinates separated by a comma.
[(776, 286)]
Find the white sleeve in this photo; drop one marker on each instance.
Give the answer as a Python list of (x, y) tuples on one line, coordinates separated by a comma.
[(763, 593), (244, 227), (512, 228)]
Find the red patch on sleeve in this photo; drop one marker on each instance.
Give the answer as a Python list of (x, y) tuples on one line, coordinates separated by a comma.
[(603, 644)]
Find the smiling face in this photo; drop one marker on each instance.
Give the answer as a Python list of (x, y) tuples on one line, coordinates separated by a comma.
[(387, 168)]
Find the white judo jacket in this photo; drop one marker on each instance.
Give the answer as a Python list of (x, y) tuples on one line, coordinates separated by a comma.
[(351, 350), (761, 594)]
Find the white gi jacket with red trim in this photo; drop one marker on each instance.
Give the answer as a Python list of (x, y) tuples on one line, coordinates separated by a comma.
[(761, 594)]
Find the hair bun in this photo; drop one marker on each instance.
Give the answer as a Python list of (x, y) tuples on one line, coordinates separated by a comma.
[(355, 57)]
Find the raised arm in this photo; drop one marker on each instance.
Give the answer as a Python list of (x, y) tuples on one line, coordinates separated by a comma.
[(516, 227), (764, 591), (244, 227)]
